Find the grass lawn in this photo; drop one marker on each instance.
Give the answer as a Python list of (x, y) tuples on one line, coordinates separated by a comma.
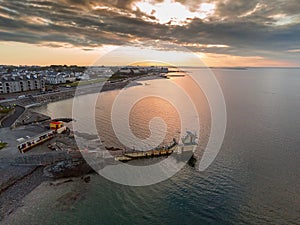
[(2, 145), (5, 110), (86, 82)]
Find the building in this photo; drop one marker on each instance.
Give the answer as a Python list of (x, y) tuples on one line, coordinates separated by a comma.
[(125, 70), (70, 79), (157, 69), (130, 70), (56, 79), (54, 125), (21, 83)]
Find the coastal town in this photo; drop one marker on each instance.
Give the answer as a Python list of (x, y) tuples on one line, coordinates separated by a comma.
[(35, 147)]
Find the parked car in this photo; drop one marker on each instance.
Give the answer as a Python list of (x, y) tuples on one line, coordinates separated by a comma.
[(21, 96)]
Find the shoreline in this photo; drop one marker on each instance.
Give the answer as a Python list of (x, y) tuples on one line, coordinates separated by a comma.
[(40, 100), (11, 196), (93, 88), (60, 195), (20, 187)]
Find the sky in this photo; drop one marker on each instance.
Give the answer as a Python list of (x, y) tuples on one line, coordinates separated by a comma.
[(218, 32)]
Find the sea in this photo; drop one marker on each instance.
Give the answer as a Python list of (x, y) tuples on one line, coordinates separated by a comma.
[(254, 178)]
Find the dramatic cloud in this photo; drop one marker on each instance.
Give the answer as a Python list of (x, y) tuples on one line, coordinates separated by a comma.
[(258, 28)]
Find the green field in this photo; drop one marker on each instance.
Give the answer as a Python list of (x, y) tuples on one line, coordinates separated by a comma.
[(2, 145), (86, 82), (5, 110)]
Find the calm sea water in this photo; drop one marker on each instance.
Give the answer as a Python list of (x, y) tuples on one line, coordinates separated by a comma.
[(255, 178)]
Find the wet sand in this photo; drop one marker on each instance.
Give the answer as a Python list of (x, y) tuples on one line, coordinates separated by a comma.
[(16, 187), (61, 196)]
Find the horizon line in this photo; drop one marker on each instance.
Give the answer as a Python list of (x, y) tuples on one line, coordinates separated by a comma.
[(211, 67)]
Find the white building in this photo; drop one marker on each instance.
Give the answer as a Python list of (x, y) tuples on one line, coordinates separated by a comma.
[(56, 79), (13, 84)]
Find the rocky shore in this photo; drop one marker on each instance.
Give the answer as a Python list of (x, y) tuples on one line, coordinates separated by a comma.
[(16, 187), (17, 181), (20, 174), (56, 196)]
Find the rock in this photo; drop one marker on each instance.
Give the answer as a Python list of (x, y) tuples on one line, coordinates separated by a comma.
[(87, 179), (67, 168), (192, 161), (67, 201), (60, 182)]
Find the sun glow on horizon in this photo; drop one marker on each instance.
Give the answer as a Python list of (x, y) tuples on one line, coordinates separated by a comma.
[(43, 55)]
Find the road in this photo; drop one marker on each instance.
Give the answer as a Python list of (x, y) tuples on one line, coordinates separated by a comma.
[(81, 89), (12, 118)]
